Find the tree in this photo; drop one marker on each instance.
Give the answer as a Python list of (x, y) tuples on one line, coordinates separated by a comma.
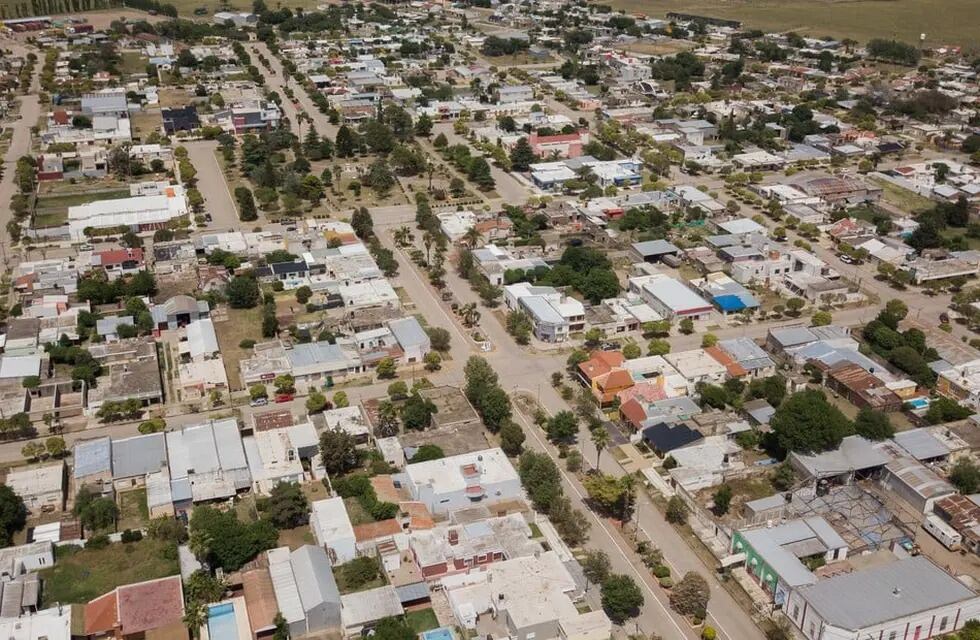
[(479, 174), (439, 338), (562, 426), (631, 351), (722, 499), (944, 409), (519, 325), (359, 571), (340, 400), (511, 438), (387, 420), (386, 368), (540, 478), (783, 477), (282, 627), (417, 412), (55, 446), (595, 566), (393, 629), (965, 476), (346, 144), (316, 402), (303, 294), (242, 292), (821, 319), (433, 361), (795, 305), (600, 439), (689, 597), (708, 340), (284, 384), (286, 507), (571, 524), (423, 126), (676, 510), (222, 540), (257, 392), (621, 598), (94, 512), (807, 423), (658, 347), (339, 451), (686, 326), (522, 155), (873, 425), (13, 515), (897, 309), (398, 390), (440, 141), (606, 491), (427, 452)]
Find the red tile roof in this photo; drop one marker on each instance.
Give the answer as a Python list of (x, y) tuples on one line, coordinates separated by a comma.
[(118, 256), (150, 605), (375, 530), (601, 362), (101, 614), (734, 368)]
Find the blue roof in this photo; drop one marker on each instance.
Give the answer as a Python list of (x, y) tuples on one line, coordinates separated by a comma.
[(729, 303)]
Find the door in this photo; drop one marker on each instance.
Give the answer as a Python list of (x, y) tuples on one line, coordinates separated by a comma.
[(918, 632)]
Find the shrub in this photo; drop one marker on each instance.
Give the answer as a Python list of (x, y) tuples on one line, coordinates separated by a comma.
[(100, 541), (132, 536), (666, 582), (661, 571)]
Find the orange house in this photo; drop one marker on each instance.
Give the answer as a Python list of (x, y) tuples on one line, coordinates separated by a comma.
[(604, 375)]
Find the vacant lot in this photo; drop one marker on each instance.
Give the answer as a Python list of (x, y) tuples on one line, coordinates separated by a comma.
[(241, 324), (133, 512), (84, 574), (952, 21), (52, 211), (908, 201)]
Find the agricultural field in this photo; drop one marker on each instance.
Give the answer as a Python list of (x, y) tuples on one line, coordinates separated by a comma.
[(950, 22)]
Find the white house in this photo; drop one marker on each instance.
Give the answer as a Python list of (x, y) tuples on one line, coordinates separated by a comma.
[(553, 314), (332, 529), (462, 481), (136, 213)]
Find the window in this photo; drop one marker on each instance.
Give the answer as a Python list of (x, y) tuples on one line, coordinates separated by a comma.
[(892, 635), (942, 623), (444, 501), (796, 612)]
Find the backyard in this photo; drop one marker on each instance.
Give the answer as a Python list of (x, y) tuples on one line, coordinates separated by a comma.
[(80, 575), (238, 325), (52, 210), (133, 512)]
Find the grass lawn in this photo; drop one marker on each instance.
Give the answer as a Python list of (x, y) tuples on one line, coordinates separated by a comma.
[(422, 620), (133, 512), (296, 538), (81, 575), (74, 199), (132, 62), (952, 21), (344, 587), (535, 530), (953, 232), (239, 325), (903, 198), (145, 123), (356, 512)]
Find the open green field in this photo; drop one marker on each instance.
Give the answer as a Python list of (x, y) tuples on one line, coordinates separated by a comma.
[(947, 22), (52, 210), (83, 574)]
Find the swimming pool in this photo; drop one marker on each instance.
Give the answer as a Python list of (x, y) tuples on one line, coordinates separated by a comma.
[(442, 633), (221, 622), (918, 403)]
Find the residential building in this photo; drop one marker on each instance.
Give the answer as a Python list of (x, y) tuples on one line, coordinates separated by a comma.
[(462, 481), (42, 488), (305, 590), (210, 459), (138, 213), (332, 530), (670, 298), (961, 383), (775, 556), (361, 610), (153, 608), (553, 314)]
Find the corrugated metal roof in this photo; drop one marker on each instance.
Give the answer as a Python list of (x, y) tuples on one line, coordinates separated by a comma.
[(408, 332), (887, 592), (92, 456), (284, 584), (314, 577), (138, 456)]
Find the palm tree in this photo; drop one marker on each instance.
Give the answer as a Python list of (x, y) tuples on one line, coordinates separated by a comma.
[(629, 499), (470, 314), (472, 236), (402, 235), (600, 438), (427, 243)]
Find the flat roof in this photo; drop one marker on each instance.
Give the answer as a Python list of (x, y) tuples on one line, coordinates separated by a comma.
[(675, 295)]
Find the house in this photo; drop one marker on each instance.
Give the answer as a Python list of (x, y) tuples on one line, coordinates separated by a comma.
[(493, 262), (180, 119), (25, 559), (531, 597), (462, 481), (553, 314), (961, 383), (909, 598), (305, 590), (273, 457), (774, 555), (361, 610), (411, 337), (92, 465), (706, 463), (42, 488), (750, 356), (664, 438), (108, 102), (861, 388), (210, 459), (136, 457), (54, 623), (332, 530), (119, 262), (670, 298), (562, 145), (154, 608), (698, 366)]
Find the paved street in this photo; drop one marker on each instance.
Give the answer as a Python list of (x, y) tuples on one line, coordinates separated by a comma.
[(20, 145), (218, 200)]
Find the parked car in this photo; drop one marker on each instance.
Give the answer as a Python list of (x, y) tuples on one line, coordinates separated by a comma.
[(259, 402), (285, 397)]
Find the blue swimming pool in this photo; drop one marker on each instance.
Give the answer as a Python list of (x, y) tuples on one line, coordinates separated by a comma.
[(918, 403), (442, 633), (221, 622)]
